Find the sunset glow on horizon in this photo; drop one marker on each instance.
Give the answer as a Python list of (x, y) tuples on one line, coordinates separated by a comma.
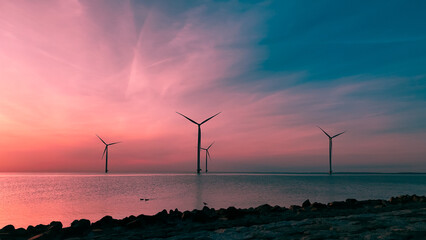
[(275, 69)]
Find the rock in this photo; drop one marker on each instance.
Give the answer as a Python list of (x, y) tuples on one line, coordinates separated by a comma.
[(41, 236), (137, 223), (147, 219), (78, 227), (55, 226), (162, 213), (233, 213), (306, 203), (401, 199), (351, 202), (175, 214), (394, 200), (49, 235), (161, 217), (8, 229), (210, 212), (187, 215), (31, 230), (278, 209), (369, 203), (265, 208), (82, 223), (318, 205), (416, 198), (200, 216), (205, 215), (41, 228), (20, 232), (122, 222), (337, 204), (104, 222), (294, 207)]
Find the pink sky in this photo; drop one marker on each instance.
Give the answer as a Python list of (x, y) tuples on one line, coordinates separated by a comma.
[(71, 70)]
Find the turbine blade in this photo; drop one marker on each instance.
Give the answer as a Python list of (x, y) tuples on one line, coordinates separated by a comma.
[(210, 118), (101, 139), (338, 134), (114, 143), (208, 154), (203, 149), (324, 132), (210, 145), (187, 118), (103, 154)]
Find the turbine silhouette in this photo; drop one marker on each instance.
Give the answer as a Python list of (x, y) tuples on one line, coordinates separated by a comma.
[(106, 152), (330, 145), (207, 153), (199, 136)]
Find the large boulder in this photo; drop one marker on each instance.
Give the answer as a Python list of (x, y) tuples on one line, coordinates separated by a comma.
[(82, 224), (205, 215), (265, 208), (306, 203), (55, 226), (20, 232), (295, 207), (41, 228), (8, 229), (187, 215), (161, 217), (78, 228), (337, 204), (317, 205), (105, 222), (122, 222), (233, 213), (175, 214), (135, 223), (351, 202)]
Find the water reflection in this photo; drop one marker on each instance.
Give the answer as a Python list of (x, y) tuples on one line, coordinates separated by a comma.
[(35, 199), (199, 191)]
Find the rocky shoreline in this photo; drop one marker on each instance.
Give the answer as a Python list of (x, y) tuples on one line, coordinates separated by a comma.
[(402, 217)]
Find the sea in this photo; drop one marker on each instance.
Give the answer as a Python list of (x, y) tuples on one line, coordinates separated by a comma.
[(31, 199)]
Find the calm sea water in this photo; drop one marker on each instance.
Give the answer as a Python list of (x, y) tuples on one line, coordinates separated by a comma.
[(34, 199)]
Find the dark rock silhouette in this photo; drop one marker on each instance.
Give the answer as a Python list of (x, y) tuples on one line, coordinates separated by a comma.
[(306, 203), (166, 224)]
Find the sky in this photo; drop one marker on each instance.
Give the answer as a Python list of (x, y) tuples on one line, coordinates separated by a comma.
[(274, 69)]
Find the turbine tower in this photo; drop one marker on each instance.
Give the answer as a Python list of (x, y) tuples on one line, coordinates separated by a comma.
[(330, 145), (106, 152), (199, 136), (207, 153)]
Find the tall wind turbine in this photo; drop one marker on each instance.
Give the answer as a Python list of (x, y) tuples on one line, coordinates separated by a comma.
[(199, 136), (330, 144), (207, 153), (106, 152)]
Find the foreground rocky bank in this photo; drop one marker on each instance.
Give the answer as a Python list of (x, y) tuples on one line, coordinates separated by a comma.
[(402, 217)]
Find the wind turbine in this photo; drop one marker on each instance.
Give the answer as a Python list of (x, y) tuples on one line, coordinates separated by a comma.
[(106, 152), (330, 144), (199, 136), (207, 153)]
